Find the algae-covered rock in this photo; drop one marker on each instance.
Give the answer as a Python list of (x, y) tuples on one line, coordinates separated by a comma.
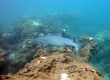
[(89, 49), (55, 67)]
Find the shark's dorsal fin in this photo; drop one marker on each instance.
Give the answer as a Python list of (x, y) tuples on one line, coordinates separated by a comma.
[(62, 34)]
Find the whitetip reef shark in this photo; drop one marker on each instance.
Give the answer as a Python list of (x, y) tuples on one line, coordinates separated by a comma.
[(60, 40)]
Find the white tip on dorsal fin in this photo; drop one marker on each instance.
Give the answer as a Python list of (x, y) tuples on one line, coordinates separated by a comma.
[(63, 30), (91, 38), (62, 34)]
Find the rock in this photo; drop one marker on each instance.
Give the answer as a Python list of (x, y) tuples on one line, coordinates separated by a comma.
[(89, 49), (55, 67)]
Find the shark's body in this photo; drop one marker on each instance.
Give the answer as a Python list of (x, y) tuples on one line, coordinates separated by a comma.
[(60, 41), (55, 41)]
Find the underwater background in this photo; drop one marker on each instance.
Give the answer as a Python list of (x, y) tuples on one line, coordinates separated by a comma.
[(78, 17)]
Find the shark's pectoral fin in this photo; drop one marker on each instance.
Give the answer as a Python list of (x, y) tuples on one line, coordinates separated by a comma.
[(77, 51), (44, 44)]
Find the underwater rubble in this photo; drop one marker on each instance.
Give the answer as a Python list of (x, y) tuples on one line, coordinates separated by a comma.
[(55, 67)]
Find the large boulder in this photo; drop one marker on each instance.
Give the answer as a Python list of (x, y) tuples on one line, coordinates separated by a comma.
[(55, 67)]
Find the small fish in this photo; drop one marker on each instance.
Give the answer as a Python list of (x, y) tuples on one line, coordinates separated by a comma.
[(60, 40)]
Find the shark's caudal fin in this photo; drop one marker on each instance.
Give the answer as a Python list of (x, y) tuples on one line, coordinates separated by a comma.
[(80, 45)]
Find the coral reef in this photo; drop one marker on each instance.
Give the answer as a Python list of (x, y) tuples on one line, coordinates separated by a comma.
[(29, 46), (20, 45), (21, 49), (56, 67)]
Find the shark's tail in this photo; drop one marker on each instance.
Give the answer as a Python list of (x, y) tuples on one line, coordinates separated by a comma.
[(80, 45)]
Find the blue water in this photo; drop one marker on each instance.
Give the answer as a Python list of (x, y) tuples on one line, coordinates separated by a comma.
[(91, 16), (94, 12)]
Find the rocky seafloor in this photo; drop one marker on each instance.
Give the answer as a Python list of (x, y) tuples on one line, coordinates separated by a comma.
[(59, 66), (21, 57)]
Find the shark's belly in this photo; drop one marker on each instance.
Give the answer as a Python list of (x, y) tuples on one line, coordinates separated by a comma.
[(56, 43)]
